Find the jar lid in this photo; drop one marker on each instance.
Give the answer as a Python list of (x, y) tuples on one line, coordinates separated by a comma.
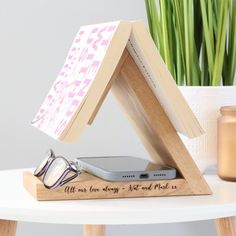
[(228, 110)]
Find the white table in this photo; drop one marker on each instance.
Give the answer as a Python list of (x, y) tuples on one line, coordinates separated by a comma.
[(17, 205)]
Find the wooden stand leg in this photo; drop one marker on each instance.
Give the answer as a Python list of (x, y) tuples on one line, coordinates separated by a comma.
[(226, 226), (8, 228), (94, 230)]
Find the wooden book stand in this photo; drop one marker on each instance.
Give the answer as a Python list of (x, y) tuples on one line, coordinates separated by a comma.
[(158, 135)]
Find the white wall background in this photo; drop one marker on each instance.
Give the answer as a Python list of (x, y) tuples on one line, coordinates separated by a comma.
[(34, 39)]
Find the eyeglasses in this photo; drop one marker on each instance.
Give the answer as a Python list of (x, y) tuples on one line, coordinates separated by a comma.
[(56, 170)]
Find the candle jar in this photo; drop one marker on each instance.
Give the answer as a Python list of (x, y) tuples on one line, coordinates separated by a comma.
[(227, 143)]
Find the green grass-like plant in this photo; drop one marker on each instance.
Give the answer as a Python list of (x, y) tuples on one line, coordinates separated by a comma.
[(196, 39)]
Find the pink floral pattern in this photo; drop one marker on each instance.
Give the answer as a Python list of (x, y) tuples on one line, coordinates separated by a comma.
[(75, 78)]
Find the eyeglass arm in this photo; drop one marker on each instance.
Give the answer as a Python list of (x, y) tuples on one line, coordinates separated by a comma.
[(69, 178)]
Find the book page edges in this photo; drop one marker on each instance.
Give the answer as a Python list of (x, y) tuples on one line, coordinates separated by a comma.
[(165, 89)]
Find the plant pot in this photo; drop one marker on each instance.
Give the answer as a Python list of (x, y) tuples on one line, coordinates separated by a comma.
[(205, 103)]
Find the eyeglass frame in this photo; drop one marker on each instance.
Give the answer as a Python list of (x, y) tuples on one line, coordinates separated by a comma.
[(71, 166)]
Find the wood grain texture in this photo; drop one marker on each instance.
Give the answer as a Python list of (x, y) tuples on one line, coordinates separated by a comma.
[(8, 228), (156, 133), (87, 186), (153, 125), (94, 230), (226, 226)]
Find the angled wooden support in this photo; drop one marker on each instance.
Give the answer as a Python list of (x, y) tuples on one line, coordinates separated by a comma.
[(153, 125), (156, 132), (127, 62), (115, 74)]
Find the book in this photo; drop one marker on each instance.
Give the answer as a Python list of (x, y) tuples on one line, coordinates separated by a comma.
[(82, 83)]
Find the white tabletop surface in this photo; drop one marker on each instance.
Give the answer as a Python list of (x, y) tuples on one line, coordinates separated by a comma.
[(17, 204)]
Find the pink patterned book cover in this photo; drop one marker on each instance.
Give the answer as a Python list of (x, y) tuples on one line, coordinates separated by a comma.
[(72, 84)]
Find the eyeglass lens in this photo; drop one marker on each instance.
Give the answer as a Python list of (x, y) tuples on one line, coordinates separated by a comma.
[(55, 171), (49, 154)]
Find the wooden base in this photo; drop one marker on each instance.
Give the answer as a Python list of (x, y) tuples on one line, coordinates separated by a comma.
[(226, 226), (156, 132), (8, 228), (153, 125), (87, 186)]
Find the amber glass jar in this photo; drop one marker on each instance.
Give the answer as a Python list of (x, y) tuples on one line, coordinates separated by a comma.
[(227, 143)]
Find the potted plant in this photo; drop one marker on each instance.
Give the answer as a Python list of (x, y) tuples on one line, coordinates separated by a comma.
[(197, 40)]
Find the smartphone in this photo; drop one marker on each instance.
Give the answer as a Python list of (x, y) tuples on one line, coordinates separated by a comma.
[(125, 168)]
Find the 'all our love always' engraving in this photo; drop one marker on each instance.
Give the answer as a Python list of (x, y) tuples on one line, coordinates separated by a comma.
[(113, 189)]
